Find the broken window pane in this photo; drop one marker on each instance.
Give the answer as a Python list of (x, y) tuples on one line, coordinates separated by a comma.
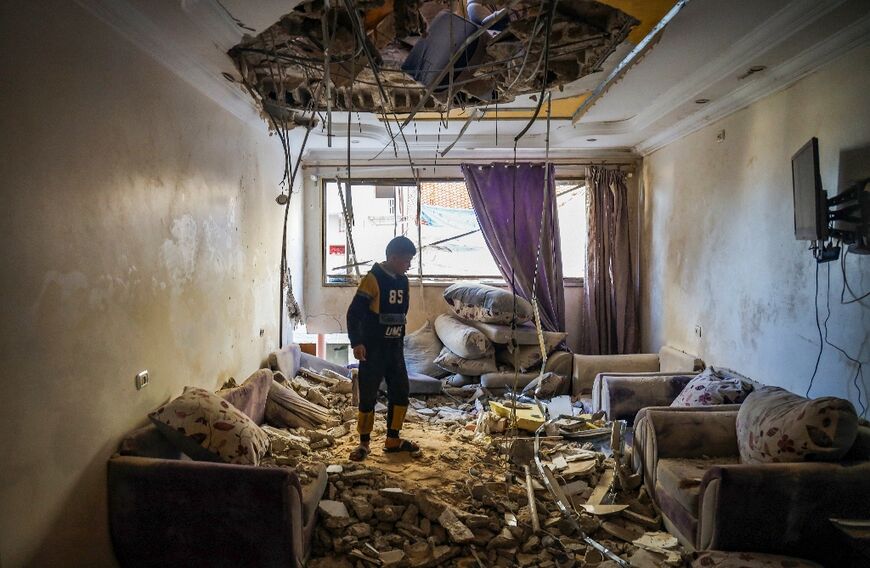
[(453, 246)]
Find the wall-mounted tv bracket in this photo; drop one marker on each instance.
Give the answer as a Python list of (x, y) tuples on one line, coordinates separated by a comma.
[(851, 206)]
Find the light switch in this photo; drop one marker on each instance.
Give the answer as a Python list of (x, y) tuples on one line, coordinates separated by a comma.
[(142, 380)]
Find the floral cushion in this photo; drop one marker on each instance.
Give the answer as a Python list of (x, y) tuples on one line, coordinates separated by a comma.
[(208, 428), (774, 425), (713, 386)]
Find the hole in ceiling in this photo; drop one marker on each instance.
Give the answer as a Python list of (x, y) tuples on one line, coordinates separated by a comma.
[(424, 56)]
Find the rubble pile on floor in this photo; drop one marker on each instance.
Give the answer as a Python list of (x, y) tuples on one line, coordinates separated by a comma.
[(464, 501)]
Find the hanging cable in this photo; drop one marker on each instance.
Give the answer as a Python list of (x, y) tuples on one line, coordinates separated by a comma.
[(550, 15), (855, 297), (544, 211), (821, 338), (859, 365)]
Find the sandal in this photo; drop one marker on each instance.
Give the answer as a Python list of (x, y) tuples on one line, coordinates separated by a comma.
[(359, 453), (404, 446)]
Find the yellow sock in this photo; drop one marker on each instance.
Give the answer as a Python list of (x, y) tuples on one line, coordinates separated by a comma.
[(365, 423), (397, 418)]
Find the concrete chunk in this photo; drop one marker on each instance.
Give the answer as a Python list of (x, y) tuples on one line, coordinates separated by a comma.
[(397, 495), (333, 514), (458, 532), (362, 508)]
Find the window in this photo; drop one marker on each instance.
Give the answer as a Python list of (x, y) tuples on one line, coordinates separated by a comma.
[(453, 246)]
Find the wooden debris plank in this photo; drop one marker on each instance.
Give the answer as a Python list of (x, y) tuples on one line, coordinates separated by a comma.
[(603, 510), (602, 488), (628, 534), (643, 520)]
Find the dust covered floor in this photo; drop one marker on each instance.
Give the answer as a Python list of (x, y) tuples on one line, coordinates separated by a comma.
[(463, 501)]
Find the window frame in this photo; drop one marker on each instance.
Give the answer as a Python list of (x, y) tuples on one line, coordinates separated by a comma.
[(435, 281)]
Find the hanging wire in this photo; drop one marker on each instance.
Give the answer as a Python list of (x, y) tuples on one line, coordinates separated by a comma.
[(859, 365), (550, 15)]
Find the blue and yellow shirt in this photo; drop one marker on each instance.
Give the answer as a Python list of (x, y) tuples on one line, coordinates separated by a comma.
[(379, 309)]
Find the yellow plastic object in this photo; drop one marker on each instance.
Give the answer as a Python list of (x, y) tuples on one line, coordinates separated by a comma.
[(529, 418)]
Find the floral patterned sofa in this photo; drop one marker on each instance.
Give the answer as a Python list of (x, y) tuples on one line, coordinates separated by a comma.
[(765, 476), (167, 510)]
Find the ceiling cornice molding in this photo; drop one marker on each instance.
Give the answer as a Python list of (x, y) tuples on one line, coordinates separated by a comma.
[(774, 80), (334, 157), (157, 43), (772, 32), (767, 35)]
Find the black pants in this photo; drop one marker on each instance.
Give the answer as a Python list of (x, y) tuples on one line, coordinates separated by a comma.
[(384, 361)]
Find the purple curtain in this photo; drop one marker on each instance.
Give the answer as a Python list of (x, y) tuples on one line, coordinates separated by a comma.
[(504, 193), (610, 322)]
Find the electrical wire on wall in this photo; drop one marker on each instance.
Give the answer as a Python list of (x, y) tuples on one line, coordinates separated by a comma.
[(859, 365), (855, 297), (282, 128), (822, 328)]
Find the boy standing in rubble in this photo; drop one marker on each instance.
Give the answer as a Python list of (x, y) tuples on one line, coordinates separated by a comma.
[(376, 328)]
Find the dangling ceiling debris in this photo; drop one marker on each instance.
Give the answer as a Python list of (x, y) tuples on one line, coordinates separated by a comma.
[(422, 56)]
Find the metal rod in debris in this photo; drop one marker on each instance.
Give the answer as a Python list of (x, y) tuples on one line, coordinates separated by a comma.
[(557, 493)]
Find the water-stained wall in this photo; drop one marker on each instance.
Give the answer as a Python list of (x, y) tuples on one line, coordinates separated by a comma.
[(718, 237), (139, 231)]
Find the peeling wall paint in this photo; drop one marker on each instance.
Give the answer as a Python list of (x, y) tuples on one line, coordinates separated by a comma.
[(139, 231), (718, 237)]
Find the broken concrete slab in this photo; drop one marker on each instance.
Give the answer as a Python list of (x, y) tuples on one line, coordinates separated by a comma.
[(397, 495), (333, 514), (338, 431), (504, 539), (389, 513), (360, 530), (357, 475), (391, 558), (456, 530), (429, 506), (362, 508)]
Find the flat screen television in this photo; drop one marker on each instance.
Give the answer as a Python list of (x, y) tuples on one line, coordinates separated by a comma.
[(810, 201)]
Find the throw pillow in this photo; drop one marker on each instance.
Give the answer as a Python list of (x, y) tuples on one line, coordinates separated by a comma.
[(208, 428), (715, 386), (774, 425)]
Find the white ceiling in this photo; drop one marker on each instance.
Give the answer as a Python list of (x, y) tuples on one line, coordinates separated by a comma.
[(701, 54)]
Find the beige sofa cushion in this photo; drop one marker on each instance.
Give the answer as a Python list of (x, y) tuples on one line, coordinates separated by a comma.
[(681, 478), (676, 361), (587, 367), (775, 425)]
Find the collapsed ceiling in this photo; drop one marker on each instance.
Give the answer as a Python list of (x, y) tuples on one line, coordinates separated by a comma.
[(406, 56)]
